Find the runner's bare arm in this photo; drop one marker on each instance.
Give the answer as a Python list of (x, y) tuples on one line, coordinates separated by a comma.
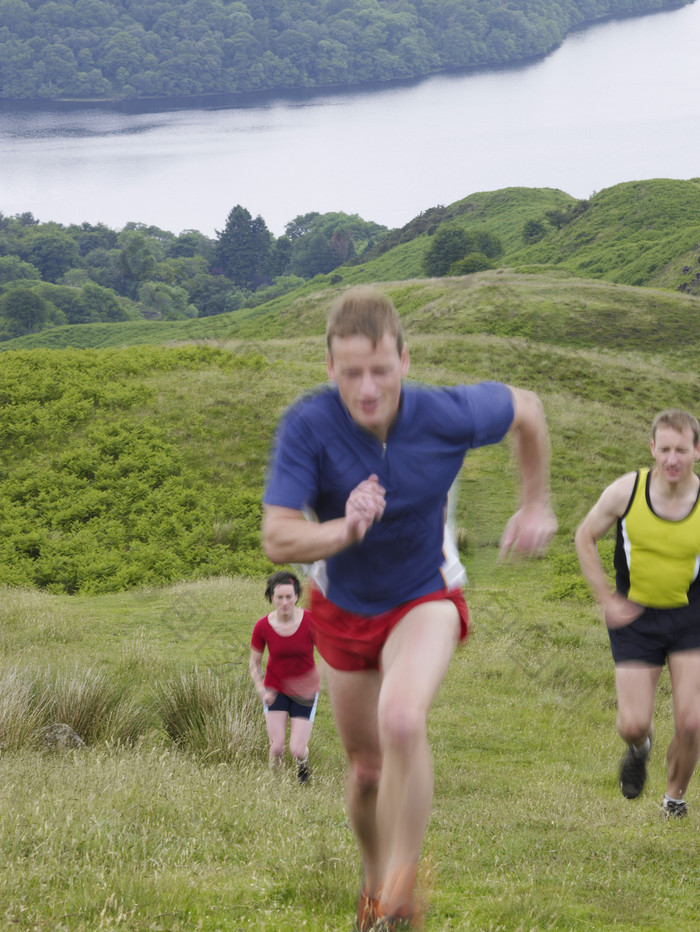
[(532, 527), (256, 673), (289, 538), (610, 506)]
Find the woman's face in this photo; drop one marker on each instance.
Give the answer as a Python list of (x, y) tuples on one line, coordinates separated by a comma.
[(284, 598)]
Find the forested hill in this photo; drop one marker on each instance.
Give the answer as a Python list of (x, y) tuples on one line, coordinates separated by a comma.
[(106, 49), (90, 286)]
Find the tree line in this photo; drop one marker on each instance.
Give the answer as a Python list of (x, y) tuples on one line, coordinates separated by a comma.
[(51, 274), (106, 49)]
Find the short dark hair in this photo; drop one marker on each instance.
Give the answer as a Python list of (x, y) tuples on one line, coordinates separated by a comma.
[(363, 311), (282, 578), (677, 419)]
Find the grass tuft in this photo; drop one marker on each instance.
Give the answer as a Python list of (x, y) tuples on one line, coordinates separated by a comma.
[(23, 708), (207, 715), (89, 702)]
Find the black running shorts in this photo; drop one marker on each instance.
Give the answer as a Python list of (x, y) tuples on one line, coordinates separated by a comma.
[(656, 633)]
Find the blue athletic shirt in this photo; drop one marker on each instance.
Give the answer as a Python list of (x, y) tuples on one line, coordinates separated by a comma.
[(321, 455)]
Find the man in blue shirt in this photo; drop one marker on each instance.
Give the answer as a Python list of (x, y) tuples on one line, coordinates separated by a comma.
[(373, 460)]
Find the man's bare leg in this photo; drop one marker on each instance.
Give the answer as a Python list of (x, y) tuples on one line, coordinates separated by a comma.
[(354, 697), (414, 660), (684, 749), (636, 689)]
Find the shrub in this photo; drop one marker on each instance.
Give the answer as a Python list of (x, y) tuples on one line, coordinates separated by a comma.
[(98, 498), (475, 262), (453, 243)]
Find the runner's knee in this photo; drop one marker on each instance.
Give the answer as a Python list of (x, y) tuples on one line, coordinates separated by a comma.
[(688, 726), (297, 748), (401, 726), (632, 727), (277, 747), (365, 773), (632, 733)]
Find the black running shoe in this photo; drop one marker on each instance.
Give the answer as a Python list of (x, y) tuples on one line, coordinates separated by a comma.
[(673, 809), (633, 771), (304, 771)]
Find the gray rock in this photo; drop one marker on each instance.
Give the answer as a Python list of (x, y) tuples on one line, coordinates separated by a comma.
[(59, 736)]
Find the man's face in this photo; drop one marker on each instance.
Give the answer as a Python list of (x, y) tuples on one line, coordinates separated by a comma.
[(674, 453), (369, 379)]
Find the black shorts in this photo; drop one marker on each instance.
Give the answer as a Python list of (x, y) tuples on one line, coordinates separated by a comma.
[(657, 633), (294, 707)]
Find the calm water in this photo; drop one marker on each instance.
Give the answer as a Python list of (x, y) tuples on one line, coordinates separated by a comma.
[(617, 102)]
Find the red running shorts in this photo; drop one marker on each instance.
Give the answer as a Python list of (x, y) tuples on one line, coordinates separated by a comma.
[(347, 641)]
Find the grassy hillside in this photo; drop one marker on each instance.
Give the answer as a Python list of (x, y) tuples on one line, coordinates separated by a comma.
[(637, 233), (502, 212), (125, 467), (644, 233), (529, 830)]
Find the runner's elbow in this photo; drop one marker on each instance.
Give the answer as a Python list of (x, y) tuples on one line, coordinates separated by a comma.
[(280, 535), (272, 547), (583, 537)]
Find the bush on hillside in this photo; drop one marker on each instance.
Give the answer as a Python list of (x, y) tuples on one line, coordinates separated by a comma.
[(453, 243), (96, 496), (474, 262)]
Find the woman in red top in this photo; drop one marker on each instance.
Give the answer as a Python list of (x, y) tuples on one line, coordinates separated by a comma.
[(289, 688)]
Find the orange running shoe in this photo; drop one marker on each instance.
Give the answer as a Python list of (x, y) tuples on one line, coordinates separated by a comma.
[(366, 913)]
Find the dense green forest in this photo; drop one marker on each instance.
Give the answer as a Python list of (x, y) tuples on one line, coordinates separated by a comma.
[(52, 274), (63, 285), (106, 49)]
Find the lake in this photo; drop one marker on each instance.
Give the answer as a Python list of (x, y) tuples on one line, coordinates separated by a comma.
[(616, 102)]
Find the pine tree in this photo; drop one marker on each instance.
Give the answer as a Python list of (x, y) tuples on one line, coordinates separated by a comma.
[(244, 248)]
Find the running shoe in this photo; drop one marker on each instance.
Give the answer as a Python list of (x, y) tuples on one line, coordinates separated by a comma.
[(366, 913), (674, 809), (304, 771), (633, 771)]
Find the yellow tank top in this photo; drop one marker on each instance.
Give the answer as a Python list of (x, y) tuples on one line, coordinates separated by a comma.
[(656, 559)]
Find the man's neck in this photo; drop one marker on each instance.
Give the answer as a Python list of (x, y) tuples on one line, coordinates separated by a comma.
[(673, 500)]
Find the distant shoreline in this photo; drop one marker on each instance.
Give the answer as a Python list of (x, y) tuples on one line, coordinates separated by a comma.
[(222, 100)]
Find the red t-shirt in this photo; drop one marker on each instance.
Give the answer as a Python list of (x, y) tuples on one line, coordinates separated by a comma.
[(291, 668)]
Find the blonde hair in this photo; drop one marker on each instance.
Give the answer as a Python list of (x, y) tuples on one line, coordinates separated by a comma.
[(363, 311), (678, 420)]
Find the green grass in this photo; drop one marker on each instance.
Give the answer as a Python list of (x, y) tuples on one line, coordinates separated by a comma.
[(529, 830), (501, 212), (637, 233)]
